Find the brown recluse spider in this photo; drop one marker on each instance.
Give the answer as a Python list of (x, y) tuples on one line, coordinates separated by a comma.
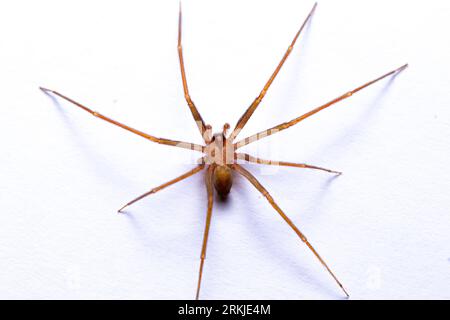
[(220, 152)]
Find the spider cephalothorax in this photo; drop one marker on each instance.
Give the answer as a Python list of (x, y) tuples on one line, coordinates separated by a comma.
[(220, 151), (220, 154)]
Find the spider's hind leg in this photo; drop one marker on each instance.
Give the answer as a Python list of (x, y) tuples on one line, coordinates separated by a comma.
[(272, 202), (210, 191)]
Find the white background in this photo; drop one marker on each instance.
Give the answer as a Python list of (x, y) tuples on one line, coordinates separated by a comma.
[(383, 226)]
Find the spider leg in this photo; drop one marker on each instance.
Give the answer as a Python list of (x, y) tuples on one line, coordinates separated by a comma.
[(252, 159), (164, 185), (209, 189), (197, 117), (249, 112), (266, 194), (286, 125), (174, 143)]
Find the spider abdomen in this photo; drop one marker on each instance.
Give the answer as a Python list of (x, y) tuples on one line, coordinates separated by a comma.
[(223, 180)]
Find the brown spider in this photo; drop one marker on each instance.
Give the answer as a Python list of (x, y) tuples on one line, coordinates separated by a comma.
[(220, 152)]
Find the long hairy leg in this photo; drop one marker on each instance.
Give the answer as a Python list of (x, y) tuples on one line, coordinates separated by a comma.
[(209, 189), (197, 117), (252, 159), (249, 112), (174, 143), (188, 174), (266, 194), (289, 124)]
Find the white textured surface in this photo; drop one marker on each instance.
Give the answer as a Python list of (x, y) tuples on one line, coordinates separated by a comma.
[(383, 226)]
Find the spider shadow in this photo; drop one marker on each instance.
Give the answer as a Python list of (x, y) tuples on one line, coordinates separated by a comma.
[(222, 203), (357, 126), (297, 65), (285, 258), (144, 225), (145, 235), (138, 226), (256, 227), (99, 162)]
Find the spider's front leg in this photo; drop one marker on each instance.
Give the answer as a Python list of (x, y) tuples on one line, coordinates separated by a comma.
[(251, 109), (195, 114)]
